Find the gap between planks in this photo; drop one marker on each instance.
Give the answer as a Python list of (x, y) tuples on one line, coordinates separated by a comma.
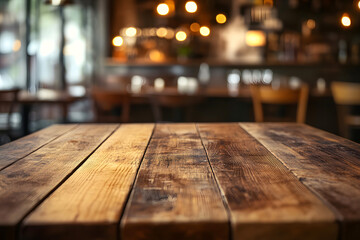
[(223, 197), (347, 228), (337, 214), (37, 148), (129, 196), (86, 216), (315, 202), (19, 225), (161, 222)]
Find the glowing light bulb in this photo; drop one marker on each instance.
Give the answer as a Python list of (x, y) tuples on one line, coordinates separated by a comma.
[(117, 41), (205, 31), (255, 38), (345, 20), (130, 32), (181, 36), (358, 4), (221, 18), (191, 6), (163, 9)]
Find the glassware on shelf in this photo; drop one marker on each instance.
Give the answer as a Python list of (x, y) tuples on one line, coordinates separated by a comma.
[(321, 85), (159, 84), (204, 73), (233, 82), (136, 83)]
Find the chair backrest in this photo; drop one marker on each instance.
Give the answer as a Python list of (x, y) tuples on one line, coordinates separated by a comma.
[(346, 93), (8, 99), (346, 96), (172, 100), (268, 95), (9, 95), (106, 100)]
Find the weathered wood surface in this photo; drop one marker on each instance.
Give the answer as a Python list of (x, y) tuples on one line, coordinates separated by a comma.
[(24, 184), (327, 164), (175, 195), (182, 181), (89, 204), (12, 152), (266, 200)]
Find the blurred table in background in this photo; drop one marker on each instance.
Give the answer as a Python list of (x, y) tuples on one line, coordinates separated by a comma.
[(60, 98), (215, 96)]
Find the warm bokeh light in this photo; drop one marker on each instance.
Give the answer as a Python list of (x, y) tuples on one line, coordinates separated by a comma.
[(117, 41), (358, 4), (205, 31), (345, 20), (56, 2), (195, 27), (181, 36), (17, 45), (311, 24), (131, 32), (255, 38), (221, 18), (170, 34), (162, 9), (161, 32), (269, 2), (152, 31), (191, 6), (156, 56)]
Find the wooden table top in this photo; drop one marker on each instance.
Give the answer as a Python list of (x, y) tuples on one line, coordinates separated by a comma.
[(180, 181)]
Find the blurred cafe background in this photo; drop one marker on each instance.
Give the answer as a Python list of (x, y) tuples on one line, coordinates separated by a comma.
[(84, 61)]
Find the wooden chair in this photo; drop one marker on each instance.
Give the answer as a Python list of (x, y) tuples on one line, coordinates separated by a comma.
[(346, 96), (283, 96), (106, 102), (173, 101), (8, 100)]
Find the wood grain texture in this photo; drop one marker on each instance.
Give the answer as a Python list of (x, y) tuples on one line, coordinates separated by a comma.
[(13, 151), (89, 204), (27, 182), (175, 195), (266, 201), (327, 164)]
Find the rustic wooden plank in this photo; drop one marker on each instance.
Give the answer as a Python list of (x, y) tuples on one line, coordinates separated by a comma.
[(13, 151), (175, 195), (266, 200), (27, 182), (328, 165), (89, 204)]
